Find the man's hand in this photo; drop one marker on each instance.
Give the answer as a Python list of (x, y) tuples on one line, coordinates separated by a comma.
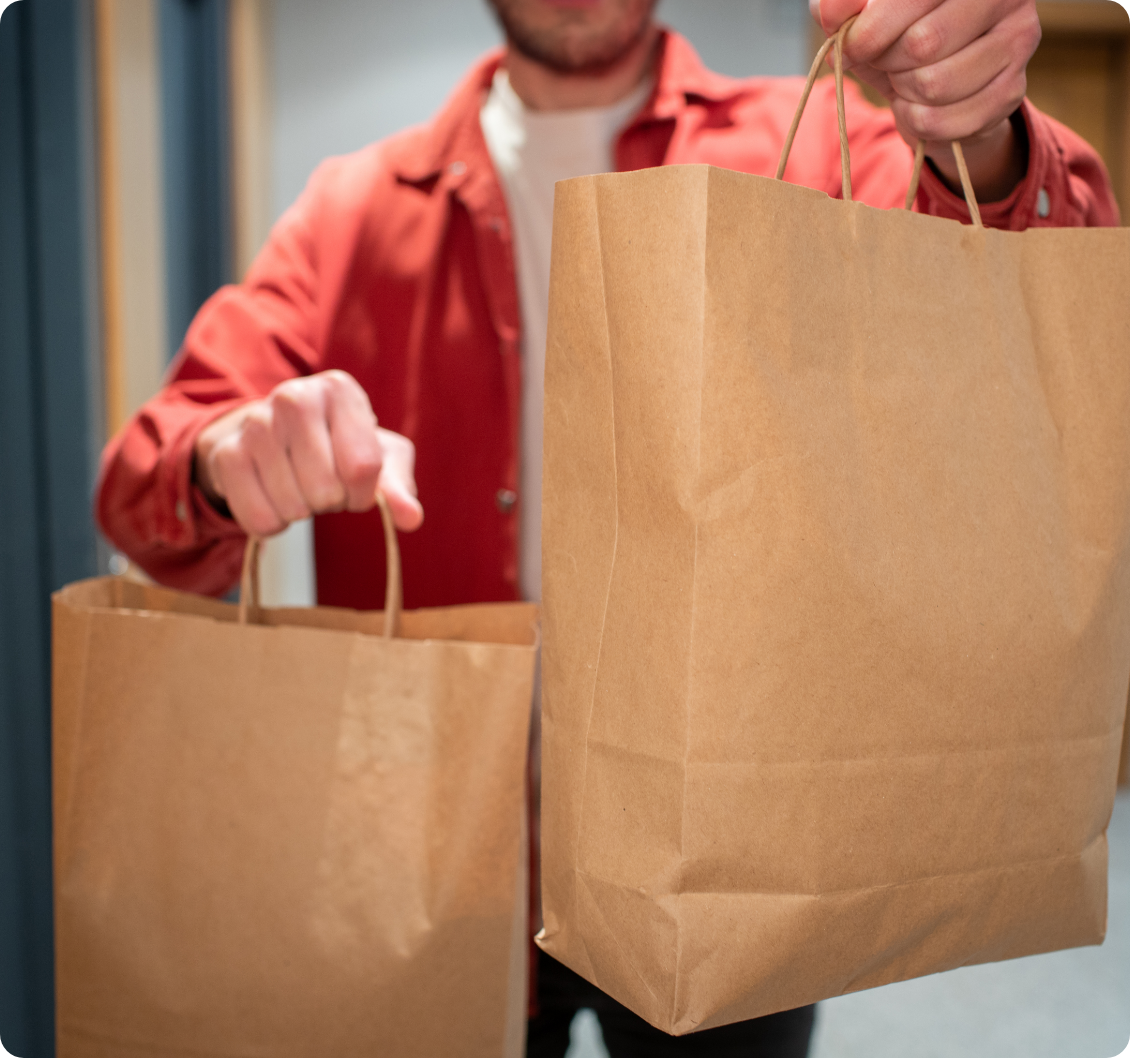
[(310, 447), (952, 70)]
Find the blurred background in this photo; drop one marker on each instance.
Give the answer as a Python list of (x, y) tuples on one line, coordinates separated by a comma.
[(146, 147)]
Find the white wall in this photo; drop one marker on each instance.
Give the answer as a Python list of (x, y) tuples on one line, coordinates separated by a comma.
[(348, 72)]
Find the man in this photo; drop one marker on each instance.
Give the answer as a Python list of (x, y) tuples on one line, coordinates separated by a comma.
[(412, 279)]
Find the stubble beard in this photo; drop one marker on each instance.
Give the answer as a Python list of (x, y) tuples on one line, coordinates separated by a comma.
[(571, 45)]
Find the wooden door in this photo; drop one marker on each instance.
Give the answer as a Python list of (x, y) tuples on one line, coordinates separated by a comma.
[(1080, 75)]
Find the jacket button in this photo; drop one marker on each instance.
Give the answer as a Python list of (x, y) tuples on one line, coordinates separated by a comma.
[(506, 500)]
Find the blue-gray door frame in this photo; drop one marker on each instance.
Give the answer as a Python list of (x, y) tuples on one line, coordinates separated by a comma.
[(51, 396), (48, 426), (195, 132)]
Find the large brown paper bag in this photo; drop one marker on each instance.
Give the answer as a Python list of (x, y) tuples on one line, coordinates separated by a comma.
[(836, 591), (291, 836)]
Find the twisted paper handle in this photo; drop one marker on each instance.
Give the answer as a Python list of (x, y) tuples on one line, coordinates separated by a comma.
[(394, 594), (835, 44)]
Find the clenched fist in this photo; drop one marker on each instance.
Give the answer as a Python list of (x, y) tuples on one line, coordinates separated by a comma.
[(310, 447), (952, 70)]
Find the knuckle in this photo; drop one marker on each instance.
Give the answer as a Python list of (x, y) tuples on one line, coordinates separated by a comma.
[(924, 122), (924, 43), (360, 456), (289, 389), (1017, 91), (1029, 35), (1002, 100), (258, 428), (361, 468), (228, 461), (361, 501), (263, 525), (294, 401), (326, 496), (341, 386), (867, 42), (295, 511), (929, 84), (256, 520), (352, 400)]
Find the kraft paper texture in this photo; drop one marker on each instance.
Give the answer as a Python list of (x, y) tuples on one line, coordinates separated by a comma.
[(293, 838), (836, 591)]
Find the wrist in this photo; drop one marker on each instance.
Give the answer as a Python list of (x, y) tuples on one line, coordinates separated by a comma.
[(997, 160), (203, 447), (202, 479)]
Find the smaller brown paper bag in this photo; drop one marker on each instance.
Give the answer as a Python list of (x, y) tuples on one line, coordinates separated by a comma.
[(290, 833)]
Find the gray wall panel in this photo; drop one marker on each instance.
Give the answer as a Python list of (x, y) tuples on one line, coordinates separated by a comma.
[(46, 530)]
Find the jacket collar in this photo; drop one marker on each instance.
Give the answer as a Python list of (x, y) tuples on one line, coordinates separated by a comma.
[(452, 142), (683, 77)]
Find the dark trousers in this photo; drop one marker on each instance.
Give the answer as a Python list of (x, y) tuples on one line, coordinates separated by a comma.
[(561, 993)]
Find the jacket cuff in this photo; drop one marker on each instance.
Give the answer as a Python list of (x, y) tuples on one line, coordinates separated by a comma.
[(1041, 199), (191, 522)]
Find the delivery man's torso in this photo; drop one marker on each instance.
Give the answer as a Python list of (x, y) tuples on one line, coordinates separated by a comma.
[(397, 265)]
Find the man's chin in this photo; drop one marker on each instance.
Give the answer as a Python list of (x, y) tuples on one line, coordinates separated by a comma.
[(578, 62), (579, 37)]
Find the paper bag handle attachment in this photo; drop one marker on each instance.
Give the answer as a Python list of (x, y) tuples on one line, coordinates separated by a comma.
[(394, 592), (835, 44)]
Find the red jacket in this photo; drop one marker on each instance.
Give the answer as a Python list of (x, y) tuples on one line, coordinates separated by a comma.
[(396, 266)]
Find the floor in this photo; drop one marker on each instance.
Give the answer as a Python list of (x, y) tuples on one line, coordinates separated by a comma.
[(1073, 1004)]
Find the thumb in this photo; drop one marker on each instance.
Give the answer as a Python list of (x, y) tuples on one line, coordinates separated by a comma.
[(398, 481), (831, 14)]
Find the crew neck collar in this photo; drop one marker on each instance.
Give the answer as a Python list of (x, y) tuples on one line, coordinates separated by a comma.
[(617, 113)]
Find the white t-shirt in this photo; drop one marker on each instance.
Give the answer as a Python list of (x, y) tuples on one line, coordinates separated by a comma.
[(531, 151)]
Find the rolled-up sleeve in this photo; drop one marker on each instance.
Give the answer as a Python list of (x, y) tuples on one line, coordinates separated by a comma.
[(244, 341), (1066, 185)]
